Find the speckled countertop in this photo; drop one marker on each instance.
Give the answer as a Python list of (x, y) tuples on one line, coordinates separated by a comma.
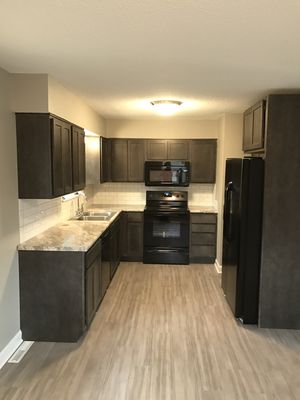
[(75, 235), (203, 209)]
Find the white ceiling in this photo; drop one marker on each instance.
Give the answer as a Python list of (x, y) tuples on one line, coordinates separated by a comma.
[(215, 55)]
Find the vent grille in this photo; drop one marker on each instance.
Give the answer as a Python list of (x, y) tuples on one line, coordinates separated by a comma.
[(20, 352)]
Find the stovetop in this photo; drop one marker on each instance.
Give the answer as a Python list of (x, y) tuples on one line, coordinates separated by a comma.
[(166, 201)]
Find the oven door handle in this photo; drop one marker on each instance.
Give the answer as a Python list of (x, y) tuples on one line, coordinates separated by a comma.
[(165, 251), (166, 214)]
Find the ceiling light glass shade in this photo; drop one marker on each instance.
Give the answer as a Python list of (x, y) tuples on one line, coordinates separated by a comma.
[(166, 107)]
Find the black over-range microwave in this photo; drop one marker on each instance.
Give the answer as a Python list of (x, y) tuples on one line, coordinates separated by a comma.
[(167, 173)]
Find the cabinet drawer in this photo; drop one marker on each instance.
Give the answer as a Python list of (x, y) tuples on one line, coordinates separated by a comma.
[(206, 228), (202, 251), (203, 238), (135, 217), (204, 218), (92, 253)]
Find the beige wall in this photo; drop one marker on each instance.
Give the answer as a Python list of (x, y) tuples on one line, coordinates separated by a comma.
[(162, 128), (29, 92), (9, 218), (63, 103), (229, 145)]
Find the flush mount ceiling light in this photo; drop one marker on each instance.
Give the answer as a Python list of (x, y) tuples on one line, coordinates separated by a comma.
[(166, 107)]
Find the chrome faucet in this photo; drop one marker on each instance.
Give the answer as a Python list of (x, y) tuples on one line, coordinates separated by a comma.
[(80, 209)]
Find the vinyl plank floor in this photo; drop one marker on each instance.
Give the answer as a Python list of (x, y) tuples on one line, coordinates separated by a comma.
[(162, 332)]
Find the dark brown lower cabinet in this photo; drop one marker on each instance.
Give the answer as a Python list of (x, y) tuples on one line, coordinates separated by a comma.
[(132, 236), (203, 238), (93, 280), (60, 291), (52, 295)]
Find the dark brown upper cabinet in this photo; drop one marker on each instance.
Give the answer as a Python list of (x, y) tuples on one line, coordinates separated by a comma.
[(167, 149), (45, 161), (157, 149), (61, 157), (136, 160), (119, 160), (254, 128), (203, 153), (178, 150), (105, 160), (78, 158)]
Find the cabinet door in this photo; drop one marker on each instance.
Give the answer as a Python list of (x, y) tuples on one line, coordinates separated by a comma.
[(203, 154), (134, 241), (106, 263), (248, 130), (157, 150), (178, 150), (61, 158), (258, 126), (78, 156), (89, 294), (115, 248), (136, 160), (119, 160), (105, 160)]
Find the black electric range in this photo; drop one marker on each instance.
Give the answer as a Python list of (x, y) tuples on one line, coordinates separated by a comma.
[(166, 227)]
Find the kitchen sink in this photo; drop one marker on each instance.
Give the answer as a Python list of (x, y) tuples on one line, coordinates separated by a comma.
[(96, 216)]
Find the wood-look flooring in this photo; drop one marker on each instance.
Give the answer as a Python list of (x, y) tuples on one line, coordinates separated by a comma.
[(161, 333)]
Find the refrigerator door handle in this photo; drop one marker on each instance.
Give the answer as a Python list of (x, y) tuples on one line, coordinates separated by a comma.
[(228, 211)]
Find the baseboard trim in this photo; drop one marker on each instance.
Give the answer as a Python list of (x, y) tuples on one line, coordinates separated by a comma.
[(218, 267), (10, 348)]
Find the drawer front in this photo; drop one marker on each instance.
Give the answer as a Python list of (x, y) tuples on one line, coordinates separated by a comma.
[(92, 253), (207, 228), (204, 218), (200, 251), (135, 216), (203, 238)]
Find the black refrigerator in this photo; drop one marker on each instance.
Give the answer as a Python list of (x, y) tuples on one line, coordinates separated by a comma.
[(243, 202)]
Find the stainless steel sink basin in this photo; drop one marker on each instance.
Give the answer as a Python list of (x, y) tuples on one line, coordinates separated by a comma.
[(96, 216), (99, 213)]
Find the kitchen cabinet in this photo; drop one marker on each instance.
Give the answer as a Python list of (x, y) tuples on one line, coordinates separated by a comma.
[(203, 238), (122, 160), (52, 295), (136, 160), (93, 281), (45, 158), (203, 153), (106, 262), (132, 236), (254, 128), (60, 291), (115, 246), (178, 149), (105, 160), (167, 149), (78, 158), (280, 273), (119, 160), (157, 149), (61, 157)]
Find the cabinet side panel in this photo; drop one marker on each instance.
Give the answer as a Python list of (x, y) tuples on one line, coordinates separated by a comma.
[(34, 156), (52, 295), (280, 274)]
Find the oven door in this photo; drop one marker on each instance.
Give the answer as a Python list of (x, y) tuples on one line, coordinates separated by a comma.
[(166, 229)]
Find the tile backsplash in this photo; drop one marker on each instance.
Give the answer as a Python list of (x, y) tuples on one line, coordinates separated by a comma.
[(135, 193), (36, 215)]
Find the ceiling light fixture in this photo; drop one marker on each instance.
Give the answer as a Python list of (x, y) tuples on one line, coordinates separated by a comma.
[(166, 107)]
